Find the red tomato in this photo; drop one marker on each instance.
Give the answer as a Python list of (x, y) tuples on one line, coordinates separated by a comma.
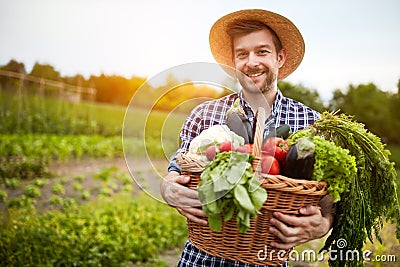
[(225, 146), (276, 147), (269, 164)]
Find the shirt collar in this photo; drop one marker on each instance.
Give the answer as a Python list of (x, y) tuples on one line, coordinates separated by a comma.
[(275, 108)]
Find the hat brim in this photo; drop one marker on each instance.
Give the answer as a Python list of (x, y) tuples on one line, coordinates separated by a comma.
[(290, 37)]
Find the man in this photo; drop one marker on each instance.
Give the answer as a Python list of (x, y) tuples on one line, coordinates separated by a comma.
[(262, 47)]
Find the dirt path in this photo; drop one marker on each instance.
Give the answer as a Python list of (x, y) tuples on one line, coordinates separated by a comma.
[(146, 176)]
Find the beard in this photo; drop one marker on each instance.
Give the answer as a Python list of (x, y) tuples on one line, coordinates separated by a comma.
[(267, 84)]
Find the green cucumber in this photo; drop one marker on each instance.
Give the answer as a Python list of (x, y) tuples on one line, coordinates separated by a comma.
[(282, 131)]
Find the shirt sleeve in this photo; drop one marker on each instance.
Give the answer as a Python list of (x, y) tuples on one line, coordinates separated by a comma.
[(191, 128)]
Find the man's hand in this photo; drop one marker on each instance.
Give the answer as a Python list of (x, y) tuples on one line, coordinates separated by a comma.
[(294, 230), (184, 199)]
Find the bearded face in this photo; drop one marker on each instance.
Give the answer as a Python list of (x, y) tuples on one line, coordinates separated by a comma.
[(256, 61)]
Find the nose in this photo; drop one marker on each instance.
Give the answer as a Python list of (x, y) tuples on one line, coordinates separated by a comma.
[(252, 60)]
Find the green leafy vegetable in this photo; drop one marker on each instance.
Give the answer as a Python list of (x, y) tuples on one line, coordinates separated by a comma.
[(333, 164), (372, 194), (228, 185)]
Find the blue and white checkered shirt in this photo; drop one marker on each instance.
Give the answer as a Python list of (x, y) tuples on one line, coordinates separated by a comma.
[(284, 111)]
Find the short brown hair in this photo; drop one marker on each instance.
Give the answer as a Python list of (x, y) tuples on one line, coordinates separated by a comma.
[(248, 26)]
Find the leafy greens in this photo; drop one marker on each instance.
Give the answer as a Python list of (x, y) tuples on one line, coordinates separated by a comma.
[(228, 186), (372, 194)]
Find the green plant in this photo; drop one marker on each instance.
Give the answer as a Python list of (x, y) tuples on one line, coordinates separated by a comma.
[(58, 189), (56, 200), (106, 232), (22, 202), (106, 173), (40, 182), (32, 191), (69, 202), (372, 197), (127, 188), (3, 196), (77, 186), (105, 191), (85, 194), (12, 183), (22, 167), (79, 178)]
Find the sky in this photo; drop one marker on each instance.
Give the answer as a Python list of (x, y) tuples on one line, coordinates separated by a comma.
[(347, 42)]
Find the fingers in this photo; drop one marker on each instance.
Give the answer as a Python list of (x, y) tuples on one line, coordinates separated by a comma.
[(293, 230), (194, 214), (310, 210), (180, 196), (292, 220), (181, 179), (184, 199)]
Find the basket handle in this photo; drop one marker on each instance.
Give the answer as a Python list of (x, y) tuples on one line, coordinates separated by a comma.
[(259, 132)]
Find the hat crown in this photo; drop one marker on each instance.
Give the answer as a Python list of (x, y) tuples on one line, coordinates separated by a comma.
[(288, 34)]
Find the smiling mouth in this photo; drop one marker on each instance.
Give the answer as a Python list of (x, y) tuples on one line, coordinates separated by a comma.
[(251, 75)]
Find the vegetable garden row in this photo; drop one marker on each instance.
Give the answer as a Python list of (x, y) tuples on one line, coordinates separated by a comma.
[(99, 218)]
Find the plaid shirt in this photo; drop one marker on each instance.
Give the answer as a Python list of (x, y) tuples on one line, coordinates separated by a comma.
[(193, 257), (284, 111), (207, 114)]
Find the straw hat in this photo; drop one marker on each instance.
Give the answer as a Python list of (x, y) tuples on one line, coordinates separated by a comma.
[(287, 32)]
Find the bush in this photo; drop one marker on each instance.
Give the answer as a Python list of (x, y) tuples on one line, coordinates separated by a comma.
[(108, 232)]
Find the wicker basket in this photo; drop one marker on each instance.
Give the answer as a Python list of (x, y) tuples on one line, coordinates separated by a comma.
[(284, 194)]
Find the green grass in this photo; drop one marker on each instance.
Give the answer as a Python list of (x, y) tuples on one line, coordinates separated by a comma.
[(26, 113)]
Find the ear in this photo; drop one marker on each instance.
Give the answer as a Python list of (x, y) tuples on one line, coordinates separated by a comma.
[(281, 57)]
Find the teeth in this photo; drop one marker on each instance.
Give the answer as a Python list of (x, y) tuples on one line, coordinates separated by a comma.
[(255, 74)]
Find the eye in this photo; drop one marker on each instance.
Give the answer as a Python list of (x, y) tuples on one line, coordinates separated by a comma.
[(263, 52), (241, 54)]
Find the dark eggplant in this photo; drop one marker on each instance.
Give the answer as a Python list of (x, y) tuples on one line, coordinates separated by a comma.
[(248, 127), (238, 123), (235, 124), (299, 162)]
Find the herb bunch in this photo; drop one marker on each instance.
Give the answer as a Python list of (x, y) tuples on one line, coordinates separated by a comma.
[(372, 195)]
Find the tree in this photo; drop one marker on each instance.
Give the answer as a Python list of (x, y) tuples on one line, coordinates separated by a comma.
[(395, 116), (14, 66), (300, 93), (45, 71), (369, 105)]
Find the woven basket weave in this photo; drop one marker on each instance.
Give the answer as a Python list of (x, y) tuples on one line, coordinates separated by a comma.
[(284, 194)]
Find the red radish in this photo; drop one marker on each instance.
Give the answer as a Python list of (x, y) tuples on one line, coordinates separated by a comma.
[(225, 146), (247, 149), (211, 151)]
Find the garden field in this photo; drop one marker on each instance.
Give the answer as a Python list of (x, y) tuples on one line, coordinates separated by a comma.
[(66, 196), (68, 199)]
